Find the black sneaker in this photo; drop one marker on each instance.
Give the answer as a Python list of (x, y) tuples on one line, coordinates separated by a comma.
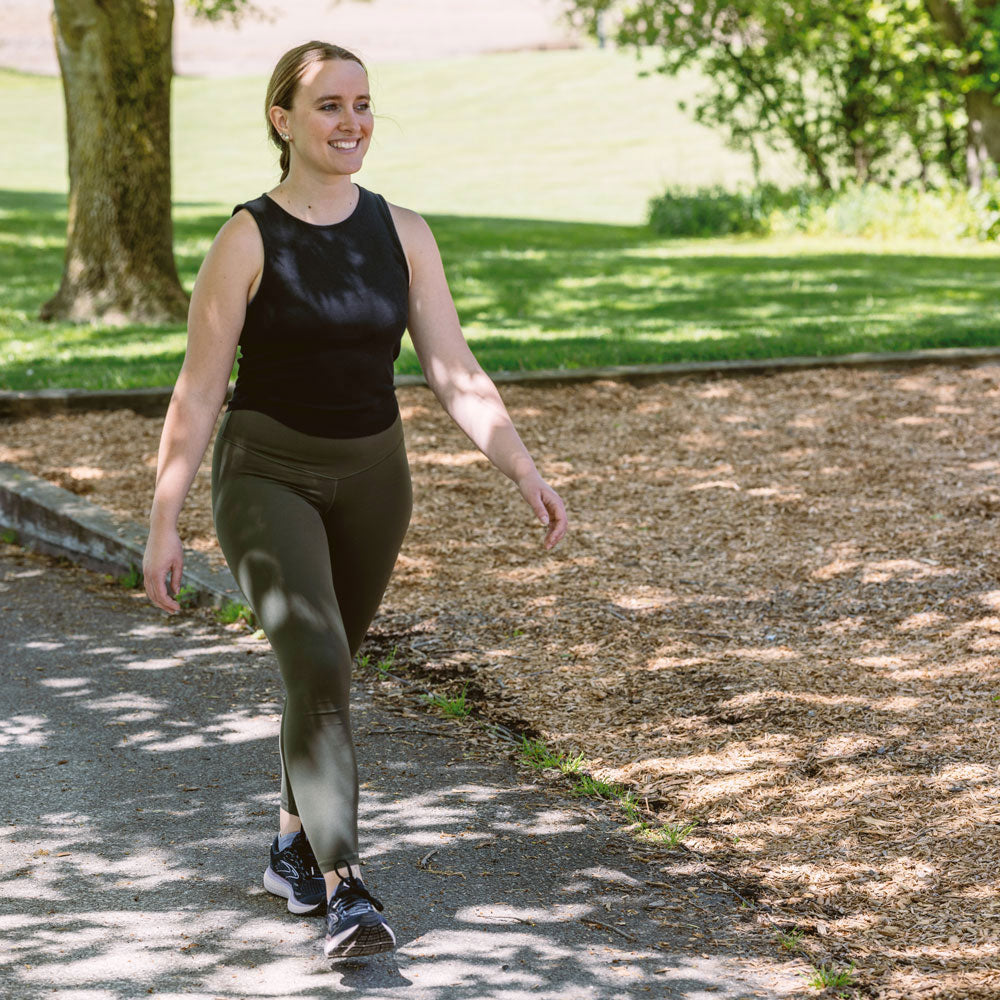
[(353, 927), (294, 874)]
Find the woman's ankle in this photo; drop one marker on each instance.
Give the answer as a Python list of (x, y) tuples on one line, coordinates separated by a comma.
[(288, 823), (333, 879)]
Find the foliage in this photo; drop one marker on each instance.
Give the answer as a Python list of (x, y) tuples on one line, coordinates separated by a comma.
[(972, 30), (791, 940), (951, 211), (587, 784), (456, 706), (538, 755), (132, 579), (231, 612), (830, 976), (673, 834), (387, 662), (235, 10), (218, 10), (187, 596), (849, 86), (714, 211)]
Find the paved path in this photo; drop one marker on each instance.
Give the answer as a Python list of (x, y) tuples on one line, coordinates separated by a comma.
[(139, 777)]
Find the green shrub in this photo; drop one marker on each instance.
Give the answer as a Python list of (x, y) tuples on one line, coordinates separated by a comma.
[(950, 212), (983, 211), (714, 211)]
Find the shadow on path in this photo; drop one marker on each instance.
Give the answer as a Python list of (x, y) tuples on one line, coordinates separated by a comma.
[(140, 794)]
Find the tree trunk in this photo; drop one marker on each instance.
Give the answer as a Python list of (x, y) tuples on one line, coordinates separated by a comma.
[(982, 134), (982, 147), (115, 57)]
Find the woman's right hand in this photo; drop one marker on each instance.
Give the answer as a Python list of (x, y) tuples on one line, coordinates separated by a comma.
[(164, 555)]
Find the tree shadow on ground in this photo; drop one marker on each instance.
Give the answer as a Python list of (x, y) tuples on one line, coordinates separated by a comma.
[(775, 615), (142, 797)]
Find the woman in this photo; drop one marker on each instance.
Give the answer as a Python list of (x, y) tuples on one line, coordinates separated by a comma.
[(315, 281)]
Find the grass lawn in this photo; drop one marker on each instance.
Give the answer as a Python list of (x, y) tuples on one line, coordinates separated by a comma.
[(533, 169), (568, 135)]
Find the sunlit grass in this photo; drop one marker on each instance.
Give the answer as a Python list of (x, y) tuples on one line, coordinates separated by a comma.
[(534, 294), (533, 289), (557, 135)]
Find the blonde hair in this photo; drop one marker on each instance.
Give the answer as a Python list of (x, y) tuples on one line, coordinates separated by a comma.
[(285, 82)]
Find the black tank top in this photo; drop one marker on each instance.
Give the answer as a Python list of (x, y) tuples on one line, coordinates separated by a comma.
[(324, 327)]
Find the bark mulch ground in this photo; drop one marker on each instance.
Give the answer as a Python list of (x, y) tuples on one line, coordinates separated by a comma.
[(777, 613)]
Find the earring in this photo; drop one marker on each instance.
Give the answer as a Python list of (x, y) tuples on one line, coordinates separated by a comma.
[(285, 136)]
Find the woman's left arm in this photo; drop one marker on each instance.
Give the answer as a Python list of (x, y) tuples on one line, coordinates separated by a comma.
[(465, 391)]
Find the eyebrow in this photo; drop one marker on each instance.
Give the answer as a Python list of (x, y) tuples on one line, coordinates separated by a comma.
[(338, 97)]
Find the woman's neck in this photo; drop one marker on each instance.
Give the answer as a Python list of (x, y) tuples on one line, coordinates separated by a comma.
[(318, 201)]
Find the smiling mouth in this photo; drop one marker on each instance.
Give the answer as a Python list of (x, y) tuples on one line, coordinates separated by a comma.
[(346, 144)]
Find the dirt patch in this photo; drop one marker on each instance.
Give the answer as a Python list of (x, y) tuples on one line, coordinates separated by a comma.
[(777, 613)]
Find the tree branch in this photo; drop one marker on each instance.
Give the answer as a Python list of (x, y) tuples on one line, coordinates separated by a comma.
[(945, 13)]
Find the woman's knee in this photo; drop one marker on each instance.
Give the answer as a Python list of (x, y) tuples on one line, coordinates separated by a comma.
[(312, 662)]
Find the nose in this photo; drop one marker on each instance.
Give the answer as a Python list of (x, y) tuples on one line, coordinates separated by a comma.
[(349, 120)]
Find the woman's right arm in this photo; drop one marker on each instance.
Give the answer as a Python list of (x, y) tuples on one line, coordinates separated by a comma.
[(225, 282)]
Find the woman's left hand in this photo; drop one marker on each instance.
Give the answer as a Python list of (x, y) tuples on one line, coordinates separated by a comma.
[(547, 505)]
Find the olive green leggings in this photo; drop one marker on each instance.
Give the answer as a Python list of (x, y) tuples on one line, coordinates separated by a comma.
[(310, 527)]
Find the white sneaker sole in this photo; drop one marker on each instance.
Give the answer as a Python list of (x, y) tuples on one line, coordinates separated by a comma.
[(278, 886)]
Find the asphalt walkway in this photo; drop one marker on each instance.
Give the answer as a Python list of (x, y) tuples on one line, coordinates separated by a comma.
[(139, 794)]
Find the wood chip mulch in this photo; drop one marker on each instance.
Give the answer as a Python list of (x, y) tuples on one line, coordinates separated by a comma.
[(777, 613)]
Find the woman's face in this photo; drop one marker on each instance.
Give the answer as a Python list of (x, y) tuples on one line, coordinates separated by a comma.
[(331, 120)]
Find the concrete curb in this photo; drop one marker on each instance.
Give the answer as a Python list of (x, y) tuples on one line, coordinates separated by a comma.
[(153, 402), (49, 519)]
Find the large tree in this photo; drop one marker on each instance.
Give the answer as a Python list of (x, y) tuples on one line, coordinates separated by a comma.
[(972, 27), (116, 63), (860, 89)]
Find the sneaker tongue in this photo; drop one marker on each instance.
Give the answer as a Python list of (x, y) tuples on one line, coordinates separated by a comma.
[(347, 885), (353, 891)]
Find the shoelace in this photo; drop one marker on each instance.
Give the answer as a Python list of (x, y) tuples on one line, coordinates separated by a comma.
[(353, 894)]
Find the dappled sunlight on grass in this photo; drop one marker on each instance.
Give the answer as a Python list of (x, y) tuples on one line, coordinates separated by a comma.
[(544, 294)]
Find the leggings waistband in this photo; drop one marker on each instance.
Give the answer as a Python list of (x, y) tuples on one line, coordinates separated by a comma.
[(331, 457)]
